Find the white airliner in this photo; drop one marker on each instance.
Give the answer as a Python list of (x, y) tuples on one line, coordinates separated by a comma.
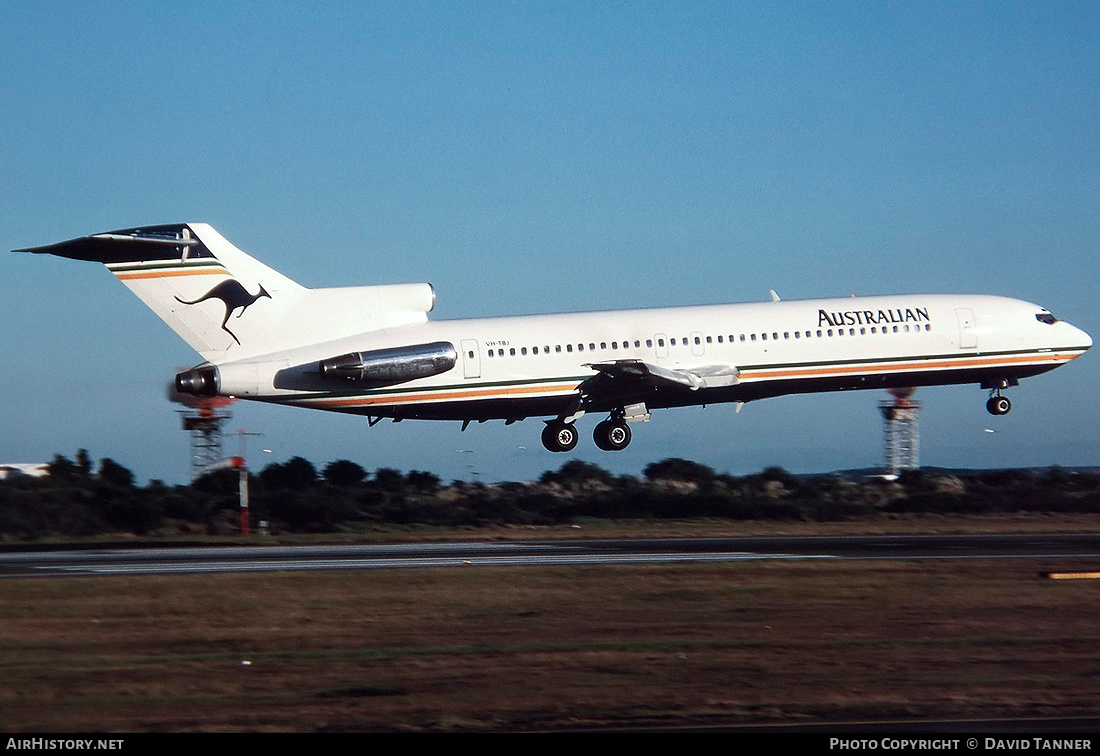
[(371, 350)]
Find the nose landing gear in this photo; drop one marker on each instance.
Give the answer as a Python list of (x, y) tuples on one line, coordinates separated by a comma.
[(998, 405)]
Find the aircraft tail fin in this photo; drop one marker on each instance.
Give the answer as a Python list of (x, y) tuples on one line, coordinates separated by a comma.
[(226, 304)]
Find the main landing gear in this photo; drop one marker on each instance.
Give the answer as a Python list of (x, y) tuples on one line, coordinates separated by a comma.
[(613, 434), (610, 435), (559, 436)]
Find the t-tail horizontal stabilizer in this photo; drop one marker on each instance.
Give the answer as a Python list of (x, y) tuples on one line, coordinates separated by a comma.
[(229, 306)]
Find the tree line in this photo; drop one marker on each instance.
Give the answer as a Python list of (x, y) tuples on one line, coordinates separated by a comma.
[(79, 498)]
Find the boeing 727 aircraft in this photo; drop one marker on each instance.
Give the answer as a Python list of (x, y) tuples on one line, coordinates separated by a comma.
[(371, 350)]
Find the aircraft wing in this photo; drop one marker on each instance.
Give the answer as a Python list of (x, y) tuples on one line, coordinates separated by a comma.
[(706, 376)]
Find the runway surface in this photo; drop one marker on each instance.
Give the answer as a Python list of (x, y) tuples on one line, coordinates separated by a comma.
[(134, 561)]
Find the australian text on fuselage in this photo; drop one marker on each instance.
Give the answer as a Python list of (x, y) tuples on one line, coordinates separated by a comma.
[(873, 317)]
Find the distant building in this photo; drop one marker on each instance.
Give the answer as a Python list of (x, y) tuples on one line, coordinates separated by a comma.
[(35, 470)]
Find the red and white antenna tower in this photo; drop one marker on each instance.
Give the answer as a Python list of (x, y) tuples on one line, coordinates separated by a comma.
[(203, 419), (902, 437)]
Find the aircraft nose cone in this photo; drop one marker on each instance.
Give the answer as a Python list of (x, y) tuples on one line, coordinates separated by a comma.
[(1083, 338)]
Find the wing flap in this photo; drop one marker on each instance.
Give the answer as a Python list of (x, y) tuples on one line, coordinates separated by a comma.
[(706, 376)]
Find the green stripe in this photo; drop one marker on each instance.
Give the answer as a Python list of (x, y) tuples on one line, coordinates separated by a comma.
[(747, 368), (920, 358), (446, 387), (164, 264)]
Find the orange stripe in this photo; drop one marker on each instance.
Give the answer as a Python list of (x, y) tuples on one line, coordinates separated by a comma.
[(905, 366), (172, 273), (366, 401)]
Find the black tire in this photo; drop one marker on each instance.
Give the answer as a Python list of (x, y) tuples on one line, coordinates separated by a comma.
[(612, 435), (559, 437), (998, 405)]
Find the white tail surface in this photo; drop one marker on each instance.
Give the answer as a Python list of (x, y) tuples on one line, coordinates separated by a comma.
[(227, 305)]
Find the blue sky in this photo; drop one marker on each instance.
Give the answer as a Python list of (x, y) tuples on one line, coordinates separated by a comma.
[(537, 157)]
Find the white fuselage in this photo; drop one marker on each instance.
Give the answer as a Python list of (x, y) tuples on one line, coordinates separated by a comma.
[(371, 350), (516, 367)]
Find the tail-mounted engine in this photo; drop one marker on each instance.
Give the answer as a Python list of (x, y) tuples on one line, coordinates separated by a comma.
[(200, 381), (384, 367)]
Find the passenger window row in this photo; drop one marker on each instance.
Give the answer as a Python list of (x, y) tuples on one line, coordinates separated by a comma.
[(830, 332), (591, 347), (699, 340)]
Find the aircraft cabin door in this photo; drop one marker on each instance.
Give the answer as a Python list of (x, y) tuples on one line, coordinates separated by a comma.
[(661, 342), (471, 358), (968, 335), (697, 344)]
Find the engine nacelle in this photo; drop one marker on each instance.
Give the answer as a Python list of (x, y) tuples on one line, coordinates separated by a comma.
[(200, 381), (385, 367)]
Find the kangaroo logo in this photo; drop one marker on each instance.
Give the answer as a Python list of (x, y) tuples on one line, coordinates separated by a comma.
[(233, 296)]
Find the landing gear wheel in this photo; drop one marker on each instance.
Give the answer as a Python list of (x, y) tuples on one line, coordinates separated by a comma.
[(559, 437), (998, 405), (612, 435)]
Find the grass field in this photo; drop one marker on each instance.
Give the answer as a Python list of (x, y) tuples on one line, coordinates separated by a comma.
[(512, 649)]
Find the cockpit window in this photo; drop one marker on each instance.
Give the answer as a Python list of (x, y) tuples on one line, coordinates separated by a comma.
[(1046, 317)]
